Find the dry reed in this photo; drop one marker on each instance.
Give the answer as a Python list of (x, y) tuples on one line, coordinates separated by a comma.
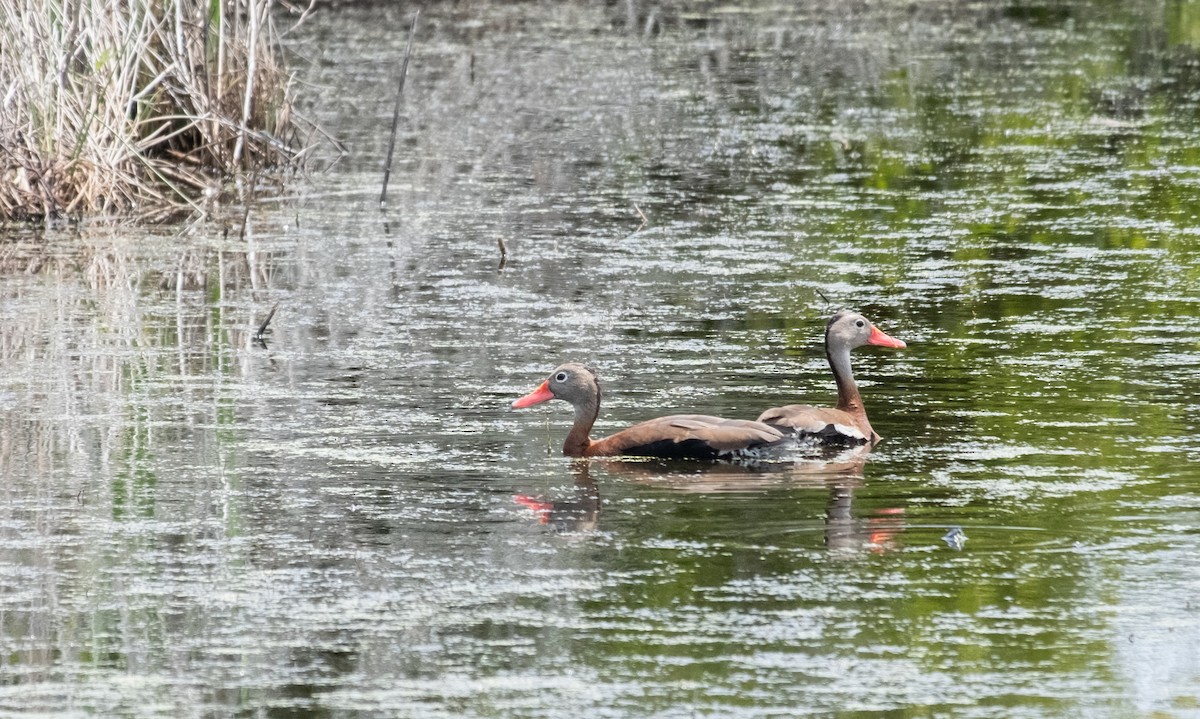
[(136, 106)]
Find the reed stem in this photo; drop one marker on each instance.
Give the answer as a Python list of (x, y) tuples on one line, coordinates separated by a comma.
[(387, 167)]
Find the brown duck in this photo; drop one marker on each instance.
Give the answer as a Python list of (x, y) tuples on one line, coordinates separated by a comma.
[(847, 422), (694, 436)]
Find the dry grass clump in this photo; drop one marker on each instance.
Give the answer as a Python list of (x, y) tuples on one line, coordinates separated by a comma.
[(137, 105)]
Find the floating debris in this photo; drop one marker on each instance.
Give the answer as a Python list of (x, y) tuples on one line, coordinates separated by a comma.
[(955, 538)]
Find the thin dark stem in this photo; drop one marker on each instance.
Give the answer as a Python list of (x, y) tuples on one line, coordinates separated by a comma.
[(263, 327), (245, 221), (387, 168)]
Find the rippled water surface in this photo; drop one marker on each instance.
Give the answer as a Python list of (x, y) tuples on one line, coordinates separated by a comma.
[(349, 520)]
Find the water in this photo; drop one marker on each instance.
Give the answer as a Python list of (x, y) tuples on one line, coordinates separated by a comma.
[(350, 521)]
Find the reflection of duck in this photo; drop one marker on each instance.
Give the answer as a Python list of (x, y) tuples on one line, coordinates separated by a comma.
[(839, 474), (846, 533), (847, 423), (815, 471), (579, 513), (693, 436)]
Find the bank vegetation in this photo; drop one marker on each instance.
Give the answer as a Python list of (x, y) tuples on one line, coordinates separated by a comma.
[(137, 107)]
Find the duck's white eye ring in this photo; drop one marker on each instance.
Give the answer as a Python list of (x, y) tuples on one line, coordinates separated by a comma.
[(860, 323), (560, 377)]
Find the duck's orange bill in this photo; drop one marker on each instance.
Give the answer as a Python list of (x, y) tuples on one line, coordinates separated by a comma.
[(539, 395), (881, 338)]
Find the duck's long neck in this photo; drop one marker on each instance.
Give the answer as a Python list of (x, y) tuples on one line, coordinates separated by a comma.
[(579, 438), (849, 400)]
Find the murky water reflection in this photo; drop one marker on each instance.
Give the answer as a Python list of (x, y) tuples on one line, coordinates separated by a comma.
[(350, 521)]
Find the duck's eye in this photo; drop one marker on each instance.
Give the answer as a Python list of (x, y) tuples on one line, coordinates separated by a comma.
[(560, 377), (860, 323)]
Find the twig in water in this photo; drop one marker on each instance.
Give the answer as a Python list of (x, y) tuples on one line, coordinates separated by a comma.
[(258, 336), (642, 215), (503, 252), (651, 23), (387, 168), (822, 296)]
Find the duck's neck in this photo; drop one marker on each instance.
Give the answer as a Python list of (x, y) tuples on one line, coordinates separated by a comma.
[(579, 438), (849, 400)]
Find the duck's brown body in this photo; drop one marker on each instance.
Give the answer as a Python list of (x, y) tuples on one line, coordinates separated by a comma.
[(691, 436), (680, 436), (827, 424), (847, 422)]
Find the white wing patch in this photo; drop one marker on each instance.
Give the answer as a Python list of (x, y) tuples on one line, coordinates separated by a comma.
[(849, 431)]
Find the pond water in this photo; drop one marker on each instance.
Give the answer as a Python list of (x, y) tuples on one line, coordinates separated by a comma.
[(349, 520)]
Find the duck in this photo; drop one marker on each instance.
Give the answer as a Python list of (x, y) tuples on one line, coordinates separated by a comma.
[(679, 436), (846, 423)]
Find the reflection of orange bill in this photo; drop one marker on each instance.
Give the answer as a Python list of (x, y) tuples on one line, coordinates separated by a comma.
[(542, 509), (885, 527)]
